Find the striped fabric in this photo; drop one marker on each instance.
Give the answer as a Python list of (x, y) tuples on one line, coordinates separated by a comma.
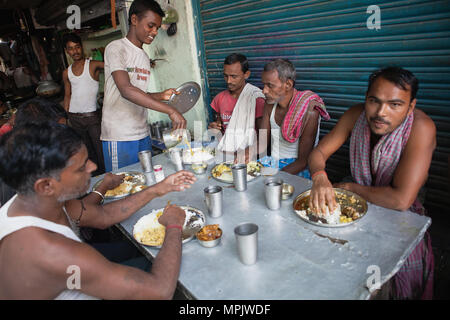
[(414, 280), (386, 153), (292, 124), (119, 154)]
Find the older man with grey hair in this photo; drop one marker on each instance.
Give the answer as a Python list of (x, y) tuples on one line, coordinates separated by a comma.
[(291, 118)]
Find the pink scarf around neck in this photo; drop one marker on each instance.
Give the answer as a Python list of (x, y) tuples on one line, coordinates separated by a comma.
[(292, 123)]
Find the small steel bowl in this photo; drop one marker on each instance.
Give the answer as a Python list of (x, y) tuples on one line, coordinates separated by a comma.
[(199, 168), (287, 191), (211, 243)]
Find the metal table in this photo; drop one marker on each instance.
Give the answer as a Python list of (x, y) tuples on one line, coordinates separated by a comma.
[(296, 260)]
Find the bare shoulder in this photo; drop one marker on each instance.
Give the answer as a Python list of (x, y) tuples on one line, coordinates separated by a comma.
[(268, 106), (423, 132), (422, 122), (41, 259), (355, 111), (97, 64), (33, 240), (349, 118)]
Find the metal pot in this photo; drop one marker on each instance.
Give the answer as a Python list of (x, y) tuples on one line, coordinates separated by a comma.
[(48, 88)]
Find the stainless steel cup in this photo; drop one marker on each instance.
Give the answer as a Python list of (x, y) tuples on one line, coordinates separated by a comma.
[(272, 190), (247, 242), (176, 156), (239, 176), (145, 158), (213, 200)]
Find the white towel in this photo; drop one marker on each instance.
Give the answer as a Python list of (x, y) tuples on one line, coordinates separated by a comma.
[(240, 132)]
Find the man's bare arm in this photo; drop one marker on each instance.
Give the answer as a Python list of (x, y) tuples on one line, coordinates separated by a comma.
[(96, 67), (67, 90), (305, 145), (103, 216), (411, 172), (321, 192), (139, 97), (103, 279), (264, 131)]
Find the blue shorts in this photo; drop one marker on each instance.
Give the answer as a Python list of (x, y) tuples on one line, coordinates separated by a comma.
[(120, 154)]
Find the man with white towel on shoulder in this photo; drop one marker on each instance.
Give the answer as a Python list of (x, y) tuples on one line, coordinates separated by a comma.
[(239, 110)]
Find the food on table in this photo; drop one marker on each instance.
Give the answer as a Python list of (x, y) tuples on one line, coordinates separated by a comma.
[(150, 232), (122, 189), (196, 155), (220, 169), (253, 167), (209, 232), (225, 168), (154, 232), (345, 212)]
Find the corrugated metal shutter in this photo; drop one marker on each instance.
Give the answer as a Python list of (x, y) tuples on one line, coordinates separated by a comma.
[(334, 52)]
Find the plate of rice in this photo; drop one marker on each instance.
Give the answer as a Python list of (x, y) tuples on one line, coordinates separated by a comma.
[(133, 182), (222, 171), (149, 232), (350, 208), (197, 155)]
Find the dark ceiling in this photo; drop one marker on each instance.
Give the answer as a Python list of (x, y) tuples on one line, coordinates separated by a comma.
[(20, 4)]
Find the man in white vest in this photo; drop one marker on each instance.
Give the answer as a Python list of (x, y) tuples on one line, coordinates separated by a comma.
[(80, 98), (41, 252)]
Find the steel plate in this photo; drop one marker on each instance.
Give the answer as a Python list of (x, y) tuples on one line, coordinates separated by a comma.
[(195, 220), (360, 206), (229, 177), (138, 180), (187, 98)]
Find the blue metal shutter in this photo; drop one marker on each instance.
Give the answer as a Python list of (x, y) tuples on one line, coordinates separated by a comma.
[(334, 52)]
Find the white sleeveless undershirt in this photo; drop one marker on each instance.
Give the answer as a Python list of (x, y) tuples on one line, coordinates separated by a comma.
[(83, 90), (9, 225), (282, 149)]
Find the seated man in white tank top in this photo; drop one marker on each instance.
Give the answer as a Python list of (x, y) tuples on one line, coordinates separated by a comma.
[(291, 118), (40, 251), (80, 98)]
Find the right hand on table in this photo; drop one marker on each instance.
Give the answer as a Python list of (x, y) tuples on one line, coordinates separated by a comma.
[(178, 121), (172, 214), (322, 195)]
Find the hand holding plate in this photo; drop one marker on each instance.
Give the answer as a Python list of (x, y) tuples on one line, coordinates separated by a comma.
[(166, 94)]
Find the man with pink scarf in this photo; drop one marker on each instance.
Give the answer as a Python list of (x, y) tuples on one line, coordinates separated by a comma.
[(291, 119), (391, 146)]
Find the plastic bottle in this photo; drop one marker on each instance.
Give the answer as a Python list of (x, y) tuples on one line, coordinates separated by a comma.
[(159, 173)]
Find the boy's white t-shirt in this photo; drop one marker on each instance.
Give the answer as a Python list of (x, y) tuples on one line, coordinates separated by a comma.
[(123, 120)]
